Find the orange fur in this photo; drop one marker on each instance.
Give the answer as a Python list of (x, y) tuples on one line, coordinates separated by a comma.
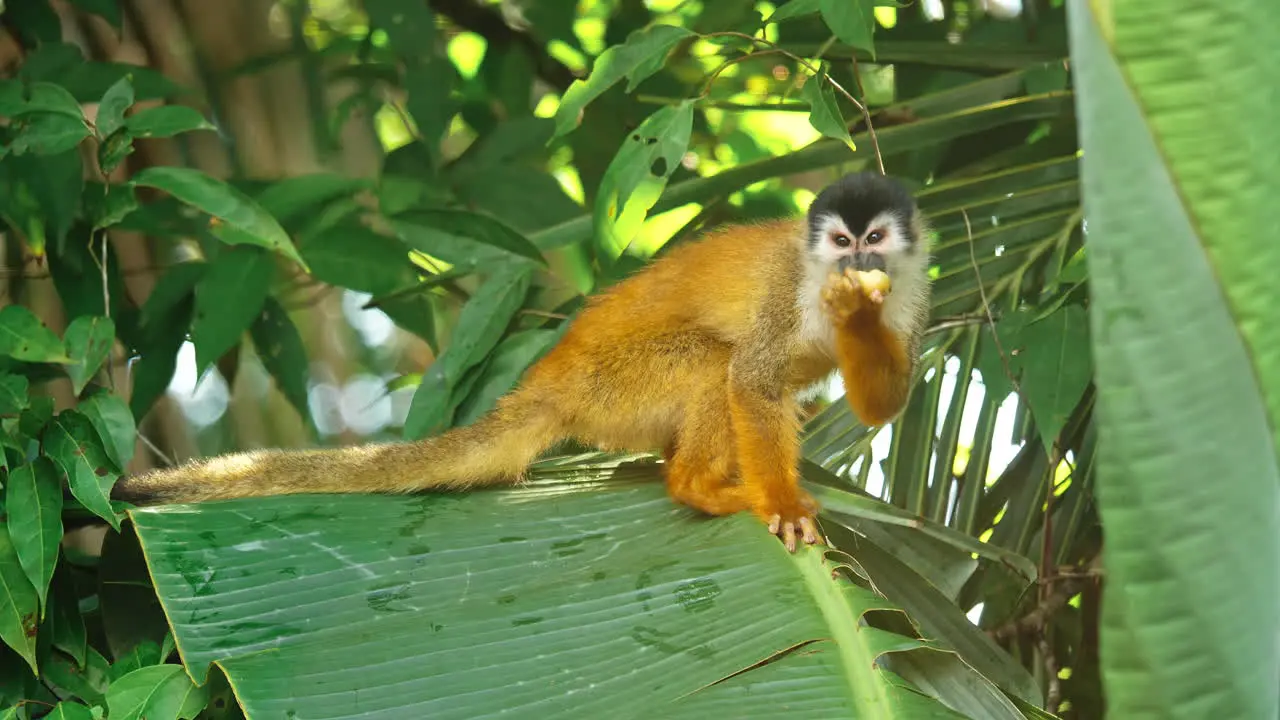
[(697, 356), (874, 362), (876, 370)]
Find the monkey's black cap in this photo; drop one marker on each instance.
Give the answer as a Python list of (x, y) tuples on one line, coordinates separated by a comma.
[(857, 198)]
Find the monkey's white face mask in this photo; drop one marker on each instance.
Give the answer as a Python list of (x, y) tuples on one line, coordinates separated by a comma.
[(887, 243)]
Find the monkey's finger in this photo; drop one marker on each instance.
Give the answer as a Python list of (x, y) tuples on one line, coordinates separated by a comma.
[(789, 536), (876, 296), (810, 532), (775, 522)]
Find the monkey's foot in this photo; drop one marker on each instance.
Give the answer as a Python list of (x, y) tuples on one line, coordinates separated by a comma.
[(845, 295), (787, 517)]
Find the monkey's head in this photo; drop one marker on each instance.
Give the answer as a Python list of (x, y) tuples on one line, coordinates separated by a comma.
[(866, 221)]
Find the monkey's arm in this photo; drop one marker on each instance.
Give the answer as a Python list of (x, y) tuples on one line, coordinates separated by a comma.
[(875, 362)]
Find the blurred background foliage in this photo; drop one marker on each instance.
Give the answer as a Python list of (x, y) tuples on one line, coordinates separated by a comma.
[(397, 205)]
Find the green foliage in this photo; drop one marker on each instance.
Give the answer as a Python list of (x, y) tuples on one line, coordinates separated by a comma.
[(636, 60), (520, 173), (1179, 295), (636, 176), (481, 324), (621, 568), (235, 219)]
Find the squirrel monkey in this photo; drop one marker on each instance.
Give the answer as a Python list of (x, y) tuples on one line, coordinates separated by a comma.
[(701, 355)]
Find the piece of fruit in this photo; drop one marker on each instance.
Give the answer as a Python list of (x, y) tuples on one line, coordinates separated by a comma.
[(874, 281)]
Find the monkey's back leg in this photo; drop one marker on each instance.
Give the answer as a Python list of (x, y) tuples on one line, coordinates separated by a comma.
[(654, 392), (701, 463)]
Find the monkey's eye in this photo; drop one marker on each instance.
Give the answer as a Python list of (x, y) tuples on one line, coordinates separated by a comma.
[(874, 237), (841, 240)]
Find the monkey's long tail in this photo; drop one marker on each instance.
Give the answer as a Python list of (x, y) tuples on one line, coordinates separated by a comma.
[(494, 450)]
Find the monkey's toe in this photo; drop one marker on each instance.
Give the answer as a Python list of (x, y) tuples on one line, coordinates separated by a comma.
[(786, 530), (793, 519)]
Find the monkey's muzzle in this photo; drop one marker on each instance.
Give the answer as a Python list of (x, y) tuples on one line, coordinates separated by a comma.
[(864, 262)]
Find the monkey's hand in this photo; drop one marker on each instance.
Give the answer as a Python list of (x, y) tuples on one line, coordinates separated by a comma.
[(854, 291)]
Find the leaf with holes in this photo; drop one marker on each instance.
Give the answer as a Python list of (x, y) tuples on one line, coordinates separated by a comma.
[(88, 339), (637, 175), (19, 602), (238, 220), (280, 347), (824, 112), (165, 121), (24, 337), (33, 506), (157, 692), (73, 443), (228, 298), (636, 59)]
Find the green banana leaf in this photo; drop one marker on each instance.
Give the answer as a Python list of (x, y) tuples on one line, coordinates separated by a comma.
[(1178, 121), (584, 593)]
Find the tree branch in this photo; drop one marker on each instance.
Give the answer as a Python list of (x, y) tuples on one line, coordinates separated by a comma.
[(490, 24)]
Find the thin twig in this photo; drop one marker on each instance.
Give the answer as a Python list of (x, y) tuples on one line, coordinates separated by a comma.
[(706, 86), (952, 323), (1067, 584), (725, 104), (1053, 691), (1046, 530), (822, 50), (403, 114), (866, 114), (1056, 454), (986, 306), (156, 451), (871, 130), (543, 314), (106, 309)]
